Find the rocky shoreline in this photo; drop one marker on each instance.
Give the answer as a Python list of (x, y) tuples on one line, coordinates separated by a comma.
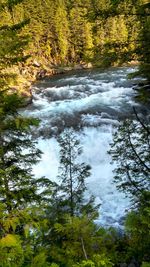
[(31, 73)]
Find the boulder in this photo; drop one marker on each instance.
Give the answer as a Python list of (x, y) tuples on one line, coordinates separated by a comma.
[(36, 64)]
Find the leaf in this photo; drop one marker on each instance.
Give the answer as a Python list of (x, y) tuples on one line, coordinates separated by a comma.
[(9, 241), (39, 260), (59, 227)]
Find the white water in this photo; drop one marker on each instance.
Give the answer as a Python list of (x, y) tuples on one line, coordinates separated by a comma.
[(93, 103)]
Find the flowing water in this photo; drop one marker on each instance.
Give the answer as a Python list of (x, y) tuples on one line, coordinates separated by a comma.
[(93, 102)]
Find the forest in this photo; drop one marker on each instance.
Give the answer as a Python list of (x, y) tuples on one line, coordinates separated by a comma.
[(42, 223)]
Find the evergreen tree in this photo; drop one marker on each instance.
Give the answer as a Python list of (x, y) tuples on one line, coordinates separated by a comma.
[(62, 30), (68, 31), (80, 33), (72, 174), (137, 226), (18, 151), (19, 190), (11, 45), (144, 36), (118, 28), (17, 155), (131, 151), (80, 241)]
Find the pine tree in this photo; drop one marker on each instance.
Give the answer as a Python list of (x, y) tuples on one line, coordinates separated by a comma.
[(131, 151), (117, 25), (81, 35), (19, 190), (40, 29), (137, 226), (62, 30), (72, 174), (11, 46), (144, 36)]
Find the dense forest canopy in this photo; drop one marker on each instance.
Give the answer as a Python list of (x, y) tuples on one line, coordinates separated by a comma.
[(71, 31), (41, 225), (62, 32)]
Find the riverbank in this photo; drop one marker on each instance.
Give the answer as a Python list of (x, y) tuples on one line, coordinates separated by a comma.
[(31, 73)]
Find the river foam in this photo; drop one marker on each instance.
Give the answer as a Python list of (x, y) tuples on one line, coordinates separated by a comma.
[(95, 143), (93, 103)]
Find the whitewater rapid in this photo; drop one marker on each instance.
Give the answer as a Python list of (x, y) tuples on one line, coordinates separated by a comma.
[(93, 103)]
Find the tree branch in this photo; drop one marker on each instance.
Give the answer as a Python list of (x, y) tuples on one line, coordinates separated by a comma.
[(83, 248), (136, 154)]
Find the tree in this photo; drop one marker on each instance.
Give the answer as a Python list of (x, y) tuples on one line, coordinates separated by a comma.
[(21, 197), (18, 151), (80, 242), (81, 36), (68, 31), (130, 150), (18, 154), (137, 226), (144, 36), (69, 210), (72, 174), (19, 190), (97, 261), (116, 30), (62, 30), (12, 45)]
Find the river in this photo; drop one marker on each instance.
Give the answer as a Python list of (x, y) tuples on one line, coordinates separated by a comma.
[(93, 102)]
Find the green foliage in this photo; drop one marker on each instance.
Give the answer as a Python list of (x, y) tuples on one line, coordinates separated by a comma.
[(87, 263), (62, 31), (130, 150), (79, 240), (138, 226), (72, 174), (97, 261), (104, 32), (65, 31), (20, 215), (117, 34), (17, 155), (145, 264), (41, 261), (81, 34), (144, 36), (12, 43), (54, 265), (55, 224), (11, 252)]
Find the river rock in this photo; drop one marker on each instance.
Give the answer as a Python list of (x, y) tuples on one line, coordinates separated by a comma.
[(78, 67), (68, 68), (36, 64), (41, 74), (87, 65)]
